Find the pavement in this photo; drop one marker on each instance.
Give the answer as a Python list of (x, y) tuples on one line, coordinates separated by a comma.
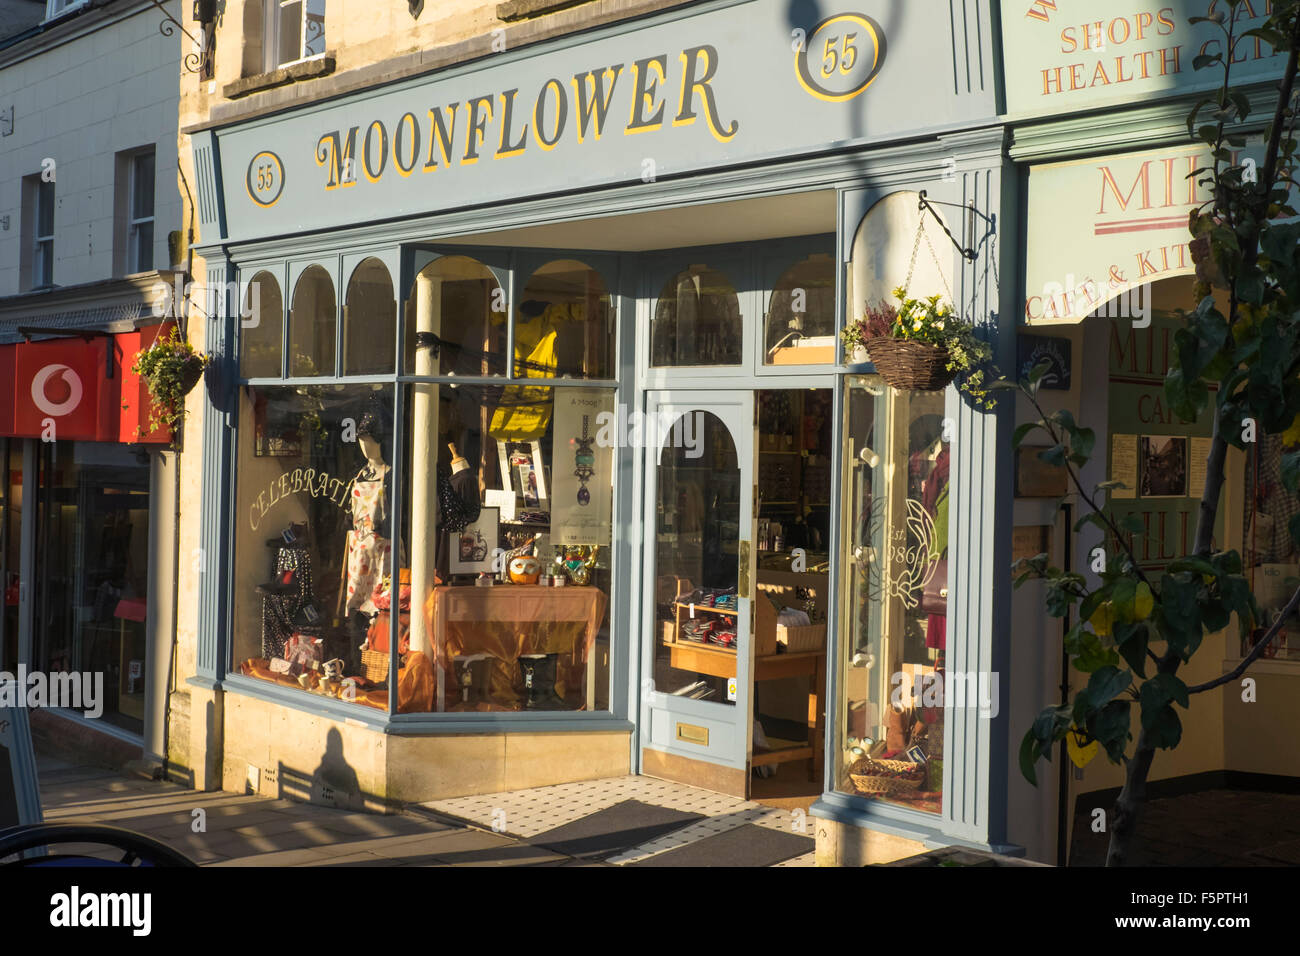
[(1209, 828), (225, 829)]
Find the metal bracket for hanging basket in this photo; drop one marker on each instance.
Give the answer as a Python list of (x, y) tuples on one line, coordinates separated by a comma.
[(967, 250)]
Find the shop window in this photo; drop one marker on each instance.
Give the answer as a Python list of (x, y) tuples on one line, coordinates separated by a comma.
[(510, 511), (895, 598), (697, 321), (564, 324), (314, 542), (697, 535), (1272, 557), (369, 321), (312, 324), (455, 321), (261, 328), (91, 572), (800, 322)]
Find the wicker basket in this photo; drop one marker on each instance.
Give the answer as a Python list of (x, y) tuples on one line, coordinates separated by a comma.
[(886, 776), (912, 366), (374, 665)]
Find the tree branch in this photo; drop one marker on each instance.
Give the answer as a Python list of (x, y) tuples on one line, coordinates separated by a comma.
[(1274, 629), (1078, 484)]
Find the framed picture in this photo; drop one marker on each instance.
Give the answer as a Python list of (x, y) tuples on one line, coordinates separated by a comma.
[(471, 549), (1035, 478), (1164, 466)]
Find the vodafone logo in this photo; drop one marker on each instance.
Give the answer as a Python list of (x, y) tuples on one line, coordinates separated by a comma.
[(69, 395)]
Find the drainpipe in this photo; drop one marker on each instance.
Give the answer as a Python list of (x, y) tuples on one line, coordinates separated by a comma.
[(181, 320)]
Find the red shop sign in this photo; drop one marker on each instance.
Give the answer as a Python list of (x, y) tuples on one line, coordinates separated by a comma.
[(61, 390)]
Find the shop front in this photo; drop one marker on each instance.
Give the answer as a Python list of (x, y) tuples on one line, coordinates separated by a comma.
[(532, 454), (81, 533), (1108, 279)]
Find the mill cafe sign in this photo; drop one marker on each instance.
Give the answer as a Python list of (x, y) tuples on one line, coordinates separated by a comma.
[(1100, 229), (722, 86)]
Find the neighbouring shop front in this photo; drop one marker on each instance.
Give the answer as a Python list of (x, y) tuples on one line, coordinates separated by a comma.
[(1108, 279), (86, 623), (532, 454)]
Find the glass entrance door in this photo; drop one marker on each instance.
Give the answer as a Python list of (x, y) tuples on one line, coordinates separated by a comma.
[(699, 502)]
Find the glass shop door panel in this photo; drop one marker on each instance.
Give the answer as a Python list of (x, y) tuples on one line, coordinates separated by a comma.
[(698, 508)]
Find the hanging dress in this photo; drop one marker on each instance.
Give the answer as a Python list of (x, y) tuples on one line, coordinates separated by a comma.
[(369, 556)]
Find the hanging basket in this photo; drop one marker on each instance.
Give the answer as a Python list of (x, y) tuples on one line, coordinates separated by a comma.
[(190, 373), (910, 366)]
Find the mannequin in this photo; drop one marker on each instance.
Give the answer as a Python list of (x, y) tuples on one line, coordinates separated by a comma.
[(369, 546)]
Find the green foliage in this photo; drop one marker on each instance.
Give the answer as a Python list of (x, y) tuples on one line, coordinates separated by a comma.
[(170, 367)]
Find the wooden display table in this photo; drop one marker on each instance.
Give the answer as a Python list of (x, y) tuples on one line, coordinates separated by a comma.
[(717, 662), (508, 621)]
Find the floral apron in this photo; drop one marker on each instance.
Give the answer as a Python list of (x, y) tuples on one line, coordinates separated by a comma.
[(369, 556)]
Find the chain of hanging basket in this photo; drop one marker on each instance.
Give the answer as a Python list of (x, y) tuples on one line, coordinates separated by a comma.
[(909, 365)]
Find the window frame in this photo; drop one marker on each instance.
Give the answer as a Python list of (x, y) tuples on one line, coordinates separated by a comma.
[(133, 224), (42, 248), (272, 11), (57, 8)]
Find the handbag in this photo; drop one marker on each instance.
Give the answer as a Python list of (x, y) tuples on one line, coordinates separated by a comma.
[(934, 598)]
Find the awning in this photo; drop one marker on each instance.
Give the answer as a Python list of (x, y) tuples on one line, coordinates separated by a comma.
[(78, 387)]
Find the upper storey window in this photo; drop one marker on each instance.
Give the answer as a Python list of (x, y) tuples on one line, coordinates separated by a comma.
[(295, 30)]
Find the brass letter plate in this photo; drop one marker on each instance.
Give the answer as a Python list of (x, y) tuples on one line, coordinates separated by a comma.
[(693, 734)]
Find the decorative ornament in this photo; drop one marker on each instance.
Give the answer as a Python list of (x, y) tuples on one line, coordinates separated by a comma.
[(585, 460)]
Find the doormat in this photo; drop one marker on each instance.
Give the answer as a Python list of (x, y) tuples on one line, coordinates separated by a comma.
[(611, 831), (746, 845)]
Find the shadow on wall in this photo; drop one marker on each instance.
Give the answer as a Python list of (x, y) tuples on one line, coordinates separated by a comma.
[(332, 784)]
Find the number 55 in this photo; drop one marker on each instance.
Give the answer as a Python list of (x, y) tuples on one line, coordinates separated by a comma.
[(832, 58)]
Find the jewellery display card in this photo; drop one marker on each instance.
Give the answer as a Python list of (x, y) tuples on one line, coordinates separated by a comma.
[(582, 475)]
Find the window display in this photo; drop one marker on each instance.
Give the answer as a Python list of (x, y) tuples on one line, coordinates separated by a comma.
[(895, 486), (494, 592), (510, 575), (314, 548)]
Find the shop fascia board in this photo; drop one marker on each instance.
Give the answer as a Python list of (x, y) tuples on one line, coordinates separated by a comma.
[(1150, 126), (898, 165), (900, 822)]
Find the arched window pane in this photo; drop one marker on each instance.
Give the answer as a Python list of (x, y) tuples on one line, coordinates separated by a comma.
[(563, 323), (697, 320), (312, 324), (697, 534), (455, 321), (800, 327), (261, 328), (369, 320)]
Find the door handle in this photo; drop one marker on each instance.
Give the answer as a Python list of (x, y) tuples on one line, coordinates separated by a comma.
[(742, 559)]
